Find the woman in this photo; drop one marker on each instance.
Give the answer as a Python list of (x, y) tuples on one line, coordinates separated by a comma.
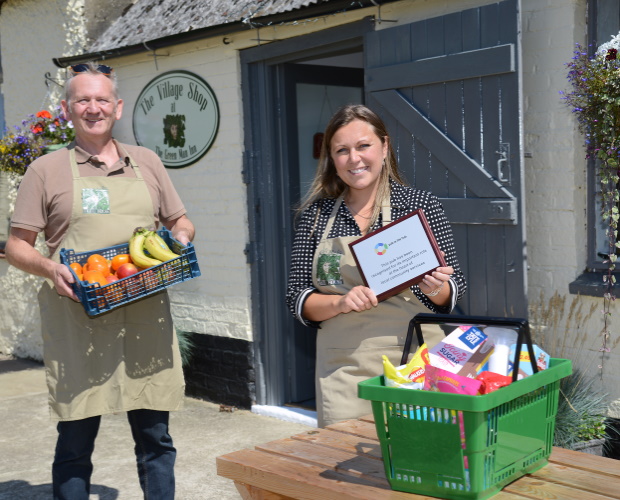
[(357, 189)]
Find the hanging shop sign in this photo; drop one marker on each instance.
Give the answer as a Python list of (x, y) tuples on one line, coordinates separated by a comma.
[(177, 116)]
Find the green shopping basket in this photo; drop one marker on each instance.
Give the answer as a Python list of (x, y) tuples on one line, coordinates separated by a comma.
[(456, 446)]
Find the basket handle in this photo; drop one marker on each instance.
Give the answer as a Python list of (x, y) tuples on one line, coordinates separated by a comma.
[(425, 318)]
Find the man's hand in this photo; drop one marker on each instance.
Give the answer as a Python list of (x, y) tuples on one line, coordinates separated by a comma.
[(63, 279), (182, 229), (20, 252)]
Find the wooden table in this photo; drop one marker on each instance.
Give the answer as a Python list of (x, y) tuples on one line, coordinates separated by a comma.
[(343, 462)]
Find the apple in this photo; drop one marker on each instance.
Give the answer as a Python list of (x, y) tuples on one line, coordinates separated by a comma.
[(126, 270), (111, 278)]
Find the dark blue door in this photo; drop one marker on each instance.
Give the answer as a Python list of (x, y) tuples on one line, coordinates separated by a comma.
[(449, 89)]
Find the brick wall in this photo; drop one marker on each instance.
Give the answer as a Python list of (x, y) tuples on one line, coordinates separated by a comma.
[(217, 303), (221, 370)]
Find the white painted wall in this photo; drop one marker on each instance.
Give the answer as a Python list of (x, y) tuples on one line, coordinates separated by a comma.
[(32, 33), (555, 180), (218, 303)]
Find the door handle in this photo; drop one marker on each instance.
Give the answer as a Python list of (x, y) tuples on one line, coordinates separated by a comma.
[(503, 163)]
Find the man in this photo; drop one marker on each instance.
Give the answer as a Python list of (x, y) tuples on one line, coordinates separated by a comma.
[(126, 359)]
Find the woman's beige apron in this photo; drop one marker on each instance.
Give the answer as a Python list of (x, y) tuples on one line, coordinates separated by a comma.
[(350, 346), (125, 359)]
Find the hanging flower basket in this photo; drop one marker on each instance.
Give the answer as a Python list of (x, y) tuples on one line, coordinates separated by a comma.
[(54, 147), (595, 102), (23, 144)]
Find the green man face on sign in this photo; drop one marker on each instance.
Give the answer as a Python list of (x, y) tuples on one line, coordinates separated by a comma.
[(174, 131)]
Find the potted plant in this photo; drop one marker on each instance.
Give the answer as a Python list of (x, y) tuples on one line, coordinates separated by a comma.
[(595, 101), (580, 420), (37, 135)]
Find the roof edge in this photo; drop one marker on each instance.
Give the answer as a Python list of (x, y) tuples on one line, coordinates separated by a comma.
[(220, 30)]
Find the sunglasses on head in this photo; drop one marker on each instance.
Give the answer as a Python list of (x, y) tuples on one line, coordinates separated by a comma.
[(81, 68)]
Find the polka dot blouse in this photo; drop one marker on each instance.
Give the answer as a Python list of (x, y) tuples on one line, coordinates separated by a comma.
[(404, 200)]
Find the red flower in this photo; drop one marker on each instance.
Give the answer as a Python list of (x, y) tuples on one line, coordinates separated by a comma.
[(37, 128), (46, 114), (611, 55)]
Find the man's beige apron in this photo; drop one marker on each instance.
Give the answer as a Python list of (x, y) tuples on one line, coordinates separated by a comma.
[(350, 346), (125, 359)]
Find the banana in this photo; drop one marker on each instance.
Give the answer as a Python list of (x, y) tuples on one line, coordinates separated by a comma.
[(136, 250), (162, 242), (156, 246)]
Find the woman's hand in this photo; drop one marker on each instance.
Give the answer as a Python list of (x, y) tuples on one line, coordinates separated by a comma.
[(359, 298), (324, 306), (434, 286), (435, 280)]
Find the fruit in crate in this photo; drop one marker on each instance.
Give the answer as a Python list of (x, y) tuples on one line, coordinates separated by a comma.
[(157, 247), (102, 267), (96, 258), (125, 270), (77, 267), (136, 250), (150, 279), (93, 276), (120, 259)]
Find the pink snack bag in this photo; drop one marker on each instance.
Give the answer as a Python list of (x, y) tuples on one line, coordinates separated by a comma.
[(439, 380)]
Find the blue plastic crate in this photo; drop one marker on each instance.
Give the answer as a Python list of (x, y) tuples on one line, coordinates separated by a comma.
[(98, 299)]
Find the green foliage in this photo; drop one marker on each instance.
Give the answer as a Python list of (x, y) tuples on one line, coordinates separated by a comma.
[(581, 412), (186, 346)]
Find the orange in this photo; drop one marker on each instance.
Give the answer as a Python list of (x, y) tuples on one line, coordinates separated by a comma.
[(77, 267), (119, 260), (99, 266), (96, 258), (95, 277)]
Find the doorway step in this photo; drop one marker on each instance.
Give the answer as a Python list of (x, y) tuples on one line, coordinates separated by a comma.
[(287, 413)]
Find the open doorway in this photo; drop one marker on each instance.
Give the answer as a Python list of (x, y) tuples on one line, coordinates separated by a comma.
[(290, 91), (316, 88)]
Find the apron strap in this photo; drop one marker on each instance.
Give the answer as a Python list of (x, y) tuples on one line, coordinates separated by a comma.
[(332, 218), (133, 164), (386, 214), (74, 166)]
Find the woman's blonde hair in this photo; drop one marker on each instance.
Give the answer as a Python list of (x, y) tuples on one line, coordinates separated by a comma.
[(326, 182)]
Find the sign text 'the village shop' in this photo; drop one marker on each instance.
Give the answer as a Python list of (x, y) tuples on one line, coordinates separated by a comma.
[(177, 116)]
